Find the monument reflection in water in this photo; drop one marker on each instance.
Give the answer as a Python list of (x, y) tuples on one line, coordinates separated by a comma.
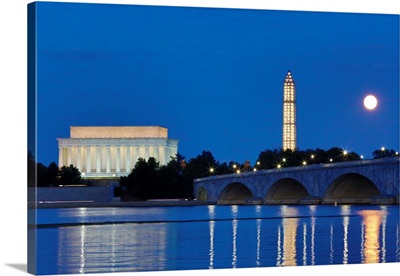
[(210, 237)]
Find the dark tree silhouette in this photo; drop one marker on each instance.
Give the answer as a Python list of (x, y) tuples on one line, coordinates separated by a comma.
[(383, 152), (70, 175)]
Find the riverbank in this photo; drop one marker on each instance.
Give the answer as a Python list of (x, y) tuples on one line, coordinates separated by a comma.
[(151, 203), (166, 203)]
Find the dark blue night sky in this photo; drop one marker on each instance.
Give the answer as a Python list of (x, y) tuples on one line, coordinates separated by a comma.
[(214, 76)]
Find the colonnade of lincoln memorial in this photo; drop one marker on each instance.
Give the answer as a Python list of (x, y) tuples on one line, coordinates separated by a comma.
[(113, 151)]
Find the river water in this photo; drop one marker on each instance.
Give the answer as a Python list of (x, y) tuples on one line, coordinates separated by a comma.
[(95, 240)]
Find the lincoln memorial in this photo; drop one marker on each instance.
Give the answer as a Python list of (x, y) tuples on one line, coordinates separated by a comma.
[(109, 151)]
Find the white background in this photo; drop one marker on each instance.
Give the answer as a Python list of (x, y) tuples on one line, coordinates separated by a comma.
[(13, 107)]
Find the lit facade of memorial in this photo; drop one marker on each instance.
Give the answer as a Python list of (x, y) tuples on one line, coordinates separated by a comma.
[(289, 139), (109, 151)]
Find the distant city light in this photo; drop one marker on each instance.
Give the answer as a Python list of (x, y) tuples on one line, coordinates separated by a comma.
[(345, 152), (330, 160), (255, 169), (238, 171), (362, 156), (304, 163), (284, 159), (383, 148), (211, 170), (312, 156), (279, 166)]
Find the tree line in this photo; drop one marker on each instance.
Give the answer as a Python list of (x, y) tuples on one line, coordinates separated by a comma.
[(150, 180), (52, 176)]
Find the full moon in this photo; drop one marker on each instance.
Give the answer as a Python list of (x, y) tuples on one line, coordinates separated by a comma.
[(370, 102)]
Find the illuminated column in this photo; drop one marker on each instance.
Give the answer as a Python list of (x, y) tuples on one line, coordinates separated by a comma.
[(167, 153), (142, 152), (146, 152), (69, 156), (133, 156), (98, 159), (118, 159), (137, 153), (154, 151), (88, 160), (289, 114), (79, 158), (151, 152), (161, 154), (108, 159), (60, 156), (128, 159)]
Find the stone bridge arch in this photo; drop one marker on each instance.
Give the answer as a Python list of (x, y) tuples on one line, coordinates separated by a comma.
[(234, 193), (286, 191), (360, 187)]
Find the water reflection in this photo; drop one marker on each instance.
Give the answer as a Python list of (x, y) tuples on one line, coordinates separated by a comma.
[(371, 222), (258, 209), (384, 209), (113, 246), (345, 212), (398, 244), (313, 209), (82, 257), (232, 237), (279, 252), (102, 248), (331, 244), (289, 235), (234, 210), (211, 214), (258, 221), (304, 244), (212, 226)]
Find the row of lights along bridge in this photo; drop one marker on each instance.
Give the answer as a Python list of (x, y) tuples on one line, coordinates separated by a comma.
[(246, 167)]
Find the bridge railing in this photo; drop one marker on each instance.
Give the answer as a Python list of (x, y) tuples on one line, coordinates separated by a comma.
[(364, 162)]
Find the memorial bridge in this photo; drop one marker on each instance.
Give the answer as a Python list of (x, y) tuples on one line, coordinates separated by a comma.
[(362, 181)]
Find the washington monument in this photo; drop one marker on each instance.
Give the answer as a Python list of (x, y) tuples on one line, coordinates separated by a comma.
[(289, 114)]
